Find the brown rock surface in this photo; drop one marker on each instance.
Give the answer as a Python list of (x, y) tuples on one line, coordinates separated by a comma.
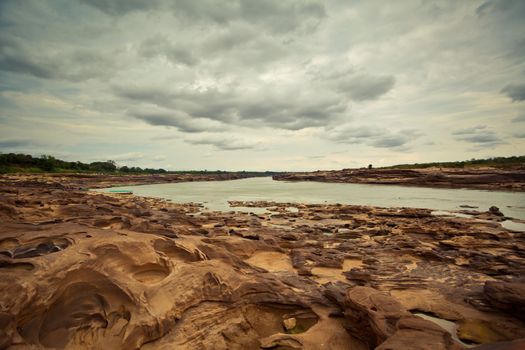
[(507, 296), (82, 269), (480, 178)]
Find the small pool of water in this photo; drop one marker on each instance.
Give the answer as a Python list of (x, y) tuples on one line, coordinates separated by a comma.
[(448, 213), (512, 225), (447, 325), (508, 224), (216, 194)]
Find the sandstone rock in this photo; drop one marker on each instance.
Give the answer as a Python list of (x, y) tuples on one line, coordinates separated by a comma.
[(508, 296), (246, 234), (511, 345), (281, 342), (289, 323), (81, 270), (372, 315), (495, 211), (415, 333)]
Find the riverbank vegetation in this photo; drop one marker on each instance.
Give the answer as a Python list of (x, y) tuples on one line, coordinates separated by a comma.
[(496, 162), (25, 163)]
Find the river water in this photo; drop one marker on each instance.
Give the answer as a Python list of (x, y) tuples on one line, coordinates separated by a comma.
[(216, 194)]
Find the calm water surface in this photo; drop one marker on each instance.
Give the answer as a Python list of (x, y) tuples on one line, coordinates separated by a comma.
[(216, 194)]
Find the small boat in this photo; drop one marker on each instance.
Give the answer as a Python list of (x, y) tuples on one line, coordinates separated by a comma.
[(121, 191)]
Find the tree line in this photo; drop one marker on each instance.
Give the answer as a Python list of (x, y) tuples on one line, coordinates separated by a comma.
[(25, 163), (13, 162), (496, 162)]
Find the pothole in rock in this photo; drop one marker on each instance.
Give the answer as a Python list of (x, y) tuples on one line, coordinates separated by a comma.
[(16, 266), (35, 248), (449, 326), (270, 319), (175, 251), (150, 273), (86, 307)]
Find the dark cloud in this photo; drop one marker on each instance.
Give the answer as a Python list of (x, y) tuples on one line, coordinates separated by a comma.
[(479, 135), (486, 137), (471, 130), (182, 122), (319, 96), (358, 86), (162, 46), (242, 68), (224, 143), (122, 7), (515, 91), (367, 87), (373, 136), (281, 107), (510, 8), (391, 141), (519, 119), (16, 56), (15, 143), (271, 15)]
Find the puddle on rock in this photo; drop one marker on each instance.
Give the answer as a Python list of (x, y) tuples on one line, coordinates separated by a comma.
[(447, 325), (254, 210), (450, 213), (513, 226)]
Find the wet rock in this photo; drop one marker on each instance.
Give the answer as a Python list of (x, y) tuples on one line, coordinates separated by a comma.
[(508, 296), (495, 211), (510, 345)]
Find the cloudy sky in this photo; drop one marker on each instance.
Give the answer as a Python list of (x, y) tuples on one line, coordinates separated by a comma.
[(262, 84)]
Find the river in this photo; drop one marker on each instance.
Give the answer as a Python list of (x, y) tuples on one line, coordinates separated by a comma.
[(216, 194)]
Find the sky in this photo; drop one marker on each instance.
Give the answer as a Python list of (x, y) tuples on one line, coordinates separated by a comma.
[(289, 85)]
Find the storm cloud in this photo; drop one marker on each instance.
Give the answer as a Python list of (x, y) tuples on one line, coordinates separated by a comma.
[(270, 82), (374, 136), (515, 91), (479, 135), (224, 143), (10, 144)]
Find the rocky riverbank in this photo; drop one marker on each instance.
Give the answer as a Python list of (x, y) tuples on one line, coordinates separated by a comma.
[(476, 178), (81, 269), (87, 181)]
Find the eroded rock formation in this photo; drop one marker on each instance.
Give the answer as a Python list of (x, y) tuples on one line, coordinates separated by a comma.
[(83, 270)]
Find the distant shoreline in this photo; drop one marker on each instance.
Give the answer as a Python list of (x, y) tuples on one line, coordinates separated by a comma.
[(468, 178)]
